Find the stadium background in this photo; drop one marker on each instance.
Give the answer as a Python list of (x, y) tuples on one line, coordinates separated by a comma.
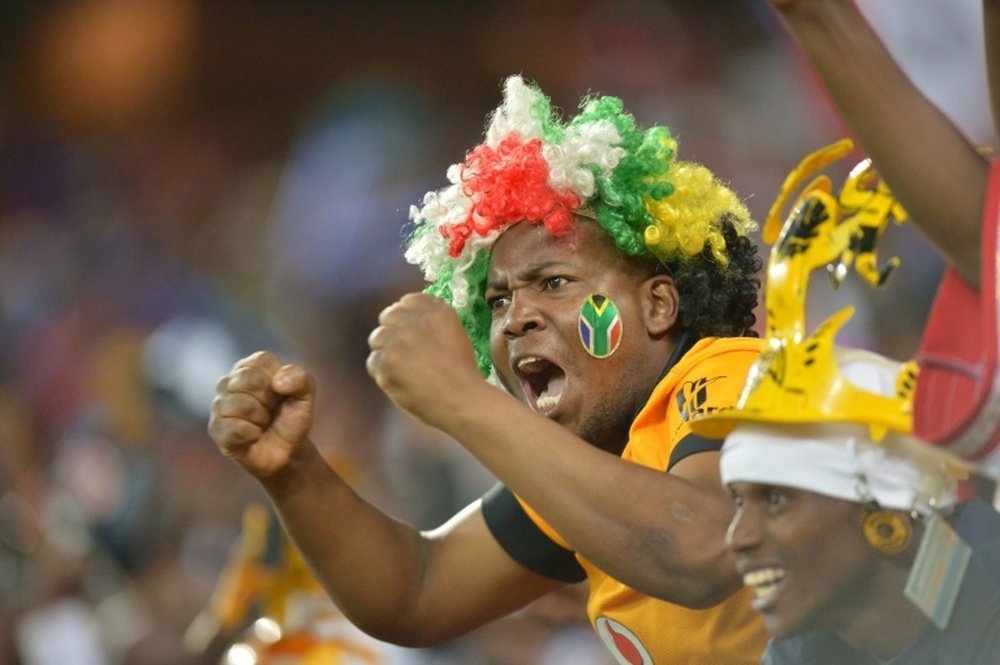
[(185, 181)]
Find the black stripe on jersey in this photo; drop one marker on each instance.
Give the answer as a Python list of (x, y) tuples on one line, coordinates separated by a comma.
[(524, 541), (691, 444)]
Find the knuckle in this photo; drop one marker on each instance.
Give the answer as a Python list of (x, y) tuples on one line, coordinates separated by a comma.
[(235, 433), (251, 409), (245, 378), (258, 359), (262, 357), (245, 432)]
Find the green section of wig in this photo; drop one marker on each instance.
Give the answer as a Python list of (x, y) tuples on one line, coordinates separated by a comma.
[(475, 316), (620, 200)]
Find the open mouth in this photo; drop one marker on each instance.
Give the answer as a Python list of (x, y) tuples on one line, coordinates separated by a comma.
[(765, 583), (542, 382)]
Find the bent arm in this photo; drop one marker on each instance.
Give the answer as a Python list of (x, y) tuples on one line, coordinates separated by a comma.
[(661, 534), (395, 583), (930, 166)]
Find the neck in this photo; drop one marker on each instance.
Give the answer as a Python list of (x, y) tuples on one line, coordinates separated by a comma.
[(887, 621), (614, 437)]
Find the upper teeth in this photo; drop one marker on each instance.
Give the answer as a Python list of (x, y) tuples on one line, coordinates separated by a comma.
[(764, 581), (525, 364)]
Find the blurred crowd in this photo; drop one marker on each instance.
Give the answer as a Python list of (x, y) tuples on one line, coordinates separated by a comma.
[(183, 182)]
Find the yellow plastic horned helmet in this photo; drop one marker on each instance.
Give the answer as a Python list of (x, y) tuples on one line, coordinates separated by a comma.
[(796, 379)]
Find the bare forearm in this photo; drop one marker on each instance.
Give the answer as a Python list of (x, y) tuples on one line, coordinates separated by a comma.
[(370, 564), (395, 583), (662, 535), (931, 167)]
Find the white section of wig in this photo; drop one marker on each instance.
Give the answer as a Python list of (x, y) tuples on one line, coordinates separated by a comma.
[(447, 206), (571, 162), (459, 284), (515, 114)]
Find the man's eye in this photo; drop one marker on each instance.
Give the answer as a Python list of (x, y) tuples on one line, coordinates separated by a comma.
[(496, 302), (776, 500), (554, 282)]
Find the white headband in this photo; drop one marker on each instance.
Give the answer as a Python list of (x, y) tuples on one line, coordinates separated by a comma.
[(841, 462)]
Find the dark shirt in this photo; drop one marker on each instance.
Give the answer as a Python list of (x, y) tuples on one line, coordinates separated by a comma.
[(973, 634)]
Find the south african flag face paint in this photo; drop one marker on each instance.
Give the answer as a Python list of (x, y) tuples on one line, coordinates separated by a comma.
[(600, 326)]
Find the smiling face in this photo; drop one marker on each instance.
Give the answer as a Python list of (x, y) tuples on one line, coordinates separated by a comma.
[(536, 286), (803, 555)]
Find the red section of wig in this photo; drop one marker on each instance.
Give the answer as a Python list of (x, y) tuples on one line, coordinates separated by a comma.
[(509, 184)]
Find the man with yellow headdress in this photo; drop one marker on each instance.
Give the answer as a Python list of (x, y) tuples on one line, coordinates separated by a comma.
[(848, 529), (855, 547), (588, 294)]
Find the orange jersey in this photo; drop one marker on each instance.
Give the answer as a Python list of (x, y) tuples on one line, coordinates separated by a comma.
[(636, 628)]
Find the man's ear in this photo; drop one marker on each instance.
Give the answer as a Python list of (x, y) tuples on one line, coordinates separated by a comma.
[(660, 304)]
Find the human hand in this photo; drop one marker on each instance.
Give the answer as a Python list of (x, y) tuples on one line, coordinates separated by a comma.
[(421, 356), (262, 413)]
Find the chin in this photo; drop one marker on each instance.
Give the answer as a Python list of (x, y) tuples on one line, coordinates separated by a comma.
[(781, 625), (777, 627)]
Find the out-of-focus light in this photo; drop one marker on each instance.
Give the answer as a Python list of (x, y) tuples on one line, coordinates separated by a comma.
[(184, 358), (241, 654), (113, 64), (266, 630)]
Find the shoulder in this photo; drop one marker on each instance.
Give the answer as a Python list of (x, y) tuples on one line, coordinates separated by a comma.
[(713, 368), (978, 524), (975, 520), (711, 360), (973, 633), (710, 376), (726, 349)]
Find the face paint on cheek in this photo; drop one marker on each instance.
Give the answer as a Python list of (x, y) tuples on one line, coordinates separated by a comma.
[(600, 326)]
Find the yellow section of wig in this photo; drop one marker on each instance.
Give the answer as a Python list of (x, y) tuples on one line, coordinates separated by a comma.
[(690, 217)]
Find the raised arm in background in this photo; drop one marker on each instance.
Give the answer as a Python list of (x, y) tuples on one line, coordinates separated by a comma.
[(934, 171)]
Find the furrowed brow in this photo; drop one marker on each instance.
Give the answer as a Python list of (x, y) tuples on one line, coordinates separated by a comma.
[(527, 274)]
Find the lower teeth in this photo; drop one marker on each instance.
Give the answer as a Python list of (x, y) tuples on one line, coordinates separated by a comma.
[(547, 401)]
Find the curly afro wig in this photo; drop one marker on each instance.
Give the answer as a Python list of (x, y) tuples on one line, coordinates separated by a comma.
[(535, 168)]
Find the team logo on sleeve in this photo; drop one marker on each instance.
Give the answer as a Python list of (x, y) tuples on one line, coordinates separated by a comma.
[(692, 398), (600, 326), (621, 642)]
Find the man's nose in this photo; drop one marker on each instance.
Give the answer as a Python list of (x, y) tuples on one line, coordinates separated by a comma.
[(745, 530), (523, 315)]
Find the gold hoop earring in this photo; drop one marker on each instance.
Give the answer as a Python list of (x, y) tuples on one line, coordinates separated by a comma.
[(886, 531)]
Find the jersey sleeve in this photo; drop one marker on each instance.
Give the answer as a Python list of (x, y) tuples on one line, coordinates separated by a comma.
[(527, 538), (957, 400), (693, 444), (710, 382)]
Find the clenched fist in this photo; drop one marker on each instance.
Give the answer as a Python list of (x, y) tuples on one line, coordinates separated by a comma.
[(262, 413), (421, 357)]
